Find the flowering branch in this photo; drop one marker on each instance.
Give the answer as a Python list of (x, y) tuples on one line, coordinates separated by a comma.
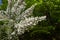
[(16, 11)]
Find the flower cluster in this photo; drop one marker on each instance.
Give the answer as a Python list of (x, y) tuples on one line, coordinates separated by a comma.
[(28, 22), (16, 11)]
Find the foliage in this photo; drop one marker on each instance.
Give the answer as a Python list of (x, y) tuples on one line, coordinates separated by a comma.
[(4, 5), (50, 27), (17, 15), (44, 30)]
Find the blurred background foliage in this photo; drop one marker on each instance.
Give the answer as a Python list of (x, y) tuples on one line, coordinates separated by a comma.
[(48, 29), (44, 30), (4, 5)]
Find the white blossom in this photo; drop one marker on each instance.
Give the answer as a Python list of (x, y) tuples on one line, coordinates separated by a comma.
[(28, 22), (16, 13)]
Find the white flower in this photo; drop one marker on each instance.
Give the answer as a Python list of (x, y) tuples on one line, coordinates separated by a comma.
[(13, 33), (29, 22), (16, 11)]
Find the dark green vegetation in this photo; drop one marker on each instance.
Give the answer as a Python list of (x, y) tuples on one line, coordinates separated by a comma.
[(4, 5), (48, 29), (45, 30)]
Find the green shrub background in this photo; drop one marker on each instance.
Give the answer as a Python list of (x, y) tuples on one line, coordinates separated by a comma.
[(44, 30), (4, 5)]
